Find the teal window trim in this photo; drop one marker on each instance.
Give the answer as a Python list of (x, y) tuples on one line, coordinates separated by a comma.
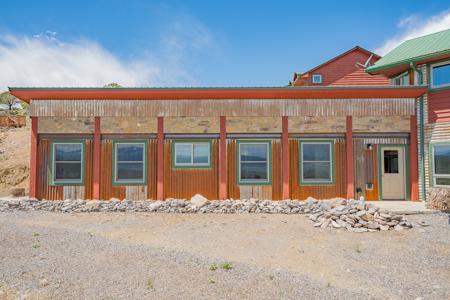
[(267, 181), (142, 181), (399, 77), (405, 168), (430, 67), (431, 160), (332, 162), (53, 181), (193, 165)]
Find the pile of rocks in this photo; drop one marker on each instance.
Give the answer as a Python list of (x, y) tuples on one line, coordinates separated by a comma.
[(338, 213), (355, 216)]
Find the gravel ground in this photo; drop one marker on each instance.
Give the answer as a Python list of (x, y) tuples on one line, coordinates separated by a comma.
[(168, 256)]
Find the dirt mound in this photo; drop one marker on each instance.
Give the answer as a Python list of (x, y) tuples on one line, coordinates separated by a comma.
[(14, 158)]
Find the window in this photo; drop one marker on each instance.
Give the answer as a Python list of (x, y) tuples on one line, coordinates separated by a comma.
[(254, 159), (67, 163), (191, 154), (391, 161), (440, 75), (317, 78), (440, 164), (130, 163), (316, 162), (402, 79)]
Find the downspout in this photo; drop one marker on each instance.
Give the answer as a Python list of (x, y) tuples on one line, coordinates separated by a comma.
[(422, 135), (422, 149)]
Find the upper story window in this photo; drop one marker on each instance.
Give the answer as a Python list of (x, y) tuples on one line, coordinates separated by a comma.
[(192, 154), (402, 79), (317, 79), (440, 74), (67, 163)]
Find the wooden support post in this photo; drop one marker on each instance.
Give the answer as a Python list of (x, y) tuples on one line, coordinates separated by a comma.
[(160, 160), (285, 158), (223, 159), (349, 158), (33, 157), (413, 160), (97, 159)]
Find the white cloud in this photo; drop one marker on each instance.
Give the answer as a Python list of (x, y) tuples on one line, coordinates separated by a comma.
[(413, 27), (43, 60)]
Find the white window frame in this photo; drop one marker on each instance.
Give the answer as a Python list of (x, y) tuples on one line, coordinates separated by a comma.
[(404, 74), (116, 163), (316, 76), (81, 162), (267, 180), (318, 181), (435, 175), (191, 163), (431, 74)]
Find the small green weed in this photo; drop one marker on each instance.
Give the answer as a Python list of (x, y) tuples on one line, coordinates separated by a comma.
[(226, 266), (149, 284), (35, 246), (36, 234), (213, 267), (212, 281)]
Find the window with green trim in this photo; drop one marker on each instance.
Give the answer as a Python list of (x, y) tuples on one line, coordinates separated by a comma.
[(192, 154), (254, 162), (130, 162), (441, 164), (67, 160), (440, 74), (316, 162), (402, 79)]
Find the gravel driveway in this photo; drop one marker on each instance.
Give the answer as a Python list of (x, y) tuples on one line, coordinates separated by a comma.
[(169, 256)]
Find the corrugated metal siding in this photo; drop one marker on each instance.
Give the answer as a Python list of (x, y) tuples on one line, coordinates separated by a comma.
[(183, 183), (107, 190), (439, 106), (302, 192), (365, 163), (151, 168), (211, 108), (235, 191), (45, 191)]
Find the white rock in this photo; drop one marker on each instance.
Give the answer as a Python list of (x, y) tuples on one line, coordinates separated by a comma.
[(199, 201)]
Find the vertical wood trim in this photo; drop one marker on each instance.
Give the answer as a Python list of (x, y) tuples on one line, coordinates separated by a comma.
[(160, 160), (223, 159), (349, 154), (33, 157), (96, 160), (285, 157), (413, 160)]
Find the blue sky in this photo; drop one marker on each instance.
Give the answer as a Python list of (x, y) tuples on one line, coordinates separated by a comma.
[(195, 43)]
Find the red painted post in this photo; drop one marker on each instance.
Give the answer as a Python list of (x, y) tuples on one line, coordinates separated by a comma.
[(160, 160), (223, 159), (97, 160), (33, 157), (285, 157), (349, 158), (413, 160)]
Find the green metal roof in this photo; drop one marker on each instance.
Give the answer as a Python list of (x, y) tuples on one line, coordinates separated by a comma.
[(416, 49)]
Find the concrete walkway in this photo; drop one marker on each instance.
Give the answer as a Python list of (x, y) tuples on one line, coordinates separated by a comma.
[(405, 207)]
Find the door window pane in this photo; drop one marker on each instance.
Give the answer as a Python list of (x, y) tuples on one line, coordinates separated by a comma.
[(254, 162), (441, 75), (67, 163), (129, 162), (316, 162), (390, 161)]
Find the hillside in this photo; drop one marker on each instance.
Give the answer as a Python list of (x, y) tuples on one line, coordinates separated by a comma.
[(14, 158)]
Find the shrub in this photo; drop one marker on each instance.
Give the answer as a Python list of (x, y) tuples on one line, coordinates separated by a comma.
[(439, 198)]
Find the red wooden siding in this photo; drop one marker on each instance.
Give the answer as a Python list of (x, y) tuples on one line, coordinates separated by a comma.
[(183, 183), (439, 106), (339, 189)]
